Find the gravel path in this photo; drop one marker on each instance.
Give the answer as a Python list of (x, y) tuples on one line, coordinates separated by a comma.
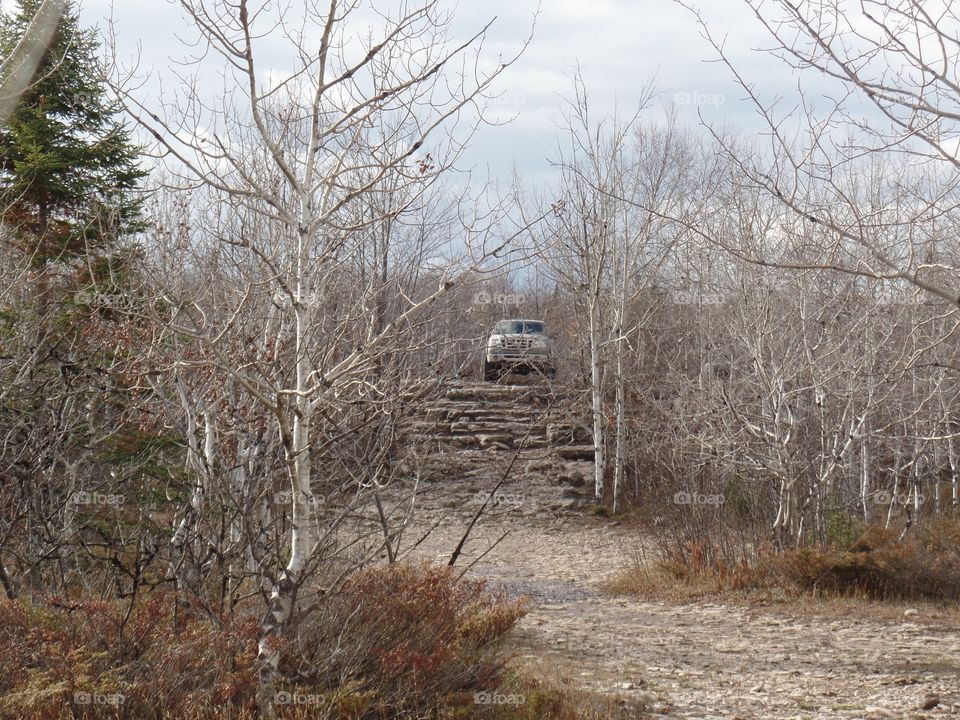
[(703, 659)]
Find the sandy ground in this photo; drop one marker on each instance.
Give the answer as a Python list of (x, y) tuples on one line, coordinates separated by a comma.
[(704, 659)]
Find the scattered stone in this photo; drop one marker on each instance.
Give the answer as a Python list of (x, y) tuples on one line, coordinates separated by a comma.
[(930, 701), (568, 432), (503, 439), (537, 466)]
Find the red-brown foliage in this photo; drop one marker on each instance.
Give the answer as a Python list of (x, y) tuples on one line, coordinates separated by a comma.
[(81, 660)]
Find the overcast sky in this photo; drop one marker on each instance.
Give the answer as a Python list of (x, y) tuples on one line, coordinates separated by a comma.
[(619, 44)]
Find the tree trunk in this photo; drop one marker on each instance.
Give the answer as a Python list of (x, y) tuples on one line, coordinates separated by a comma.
[(303, 532), (596, 379), (621, 425)]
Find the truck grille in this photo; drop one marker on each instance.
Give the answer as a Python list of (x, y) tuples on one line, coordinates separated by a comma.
[(519, 343)]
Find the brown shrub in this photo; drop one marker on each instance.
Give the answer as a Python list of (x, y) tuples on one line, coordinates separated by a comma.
[(877, 564), (396, 641), (59, 660), (407, 638)]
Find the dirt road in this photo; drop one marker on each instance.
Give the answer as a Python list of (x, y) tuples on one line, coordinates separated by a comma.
[(705, 660)]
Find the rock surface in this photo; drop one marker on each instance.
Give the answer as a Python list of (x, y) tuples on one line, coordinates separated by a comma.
[(686, 659)]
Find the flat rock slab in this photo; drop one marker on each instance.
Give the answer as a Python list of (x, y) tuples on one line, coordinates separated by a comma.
[(501, 438), (575, 452)]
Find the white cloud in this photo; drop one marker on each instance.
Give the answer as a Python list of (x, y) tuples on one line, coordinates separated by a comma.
[(620, 44)]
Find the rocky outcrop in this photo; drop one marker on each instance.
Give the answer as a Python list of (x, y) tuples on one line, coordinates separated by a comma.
[(481, 414), (467, 436)]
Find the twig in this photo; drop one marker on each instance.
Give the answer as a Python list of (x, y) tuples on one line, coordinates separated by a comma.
[(482, 555)]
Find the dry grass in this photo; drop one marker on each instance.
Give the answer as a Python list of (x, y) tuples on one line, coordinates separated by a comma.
[(923, 567), (573, 702)]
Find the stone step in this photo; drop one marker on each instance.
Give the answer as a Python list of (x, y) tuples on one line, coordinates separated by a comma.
[(525, 418), (505, 410), (516, 429), (575, 452), (427, 426), (477, 441), (496, 393)]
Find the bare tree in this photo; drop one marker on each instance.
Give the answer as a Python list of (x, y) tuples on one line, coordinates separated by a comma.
[(621, 181), (871, 174), (304, 172)]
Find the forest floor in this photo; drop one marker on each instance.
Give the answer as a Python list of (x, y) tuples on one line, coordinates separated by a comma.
[(713, 657)]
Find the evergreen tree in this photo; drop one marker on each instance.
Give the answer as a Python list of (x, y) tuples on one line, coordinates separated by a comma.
[(69, 200), (68, 169)]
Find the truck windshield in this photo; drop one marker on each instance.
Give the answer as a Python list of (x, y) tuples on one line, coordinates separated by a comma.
[(508, 327), (518, 327)]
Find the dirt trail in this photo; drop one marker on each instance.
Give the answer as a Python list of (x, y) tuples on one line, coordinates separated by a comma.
[(702, 659), (686, 660)]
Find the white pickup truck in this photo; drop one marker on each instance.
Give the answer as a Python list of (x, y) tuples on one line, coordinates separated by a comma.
[(518, 346)]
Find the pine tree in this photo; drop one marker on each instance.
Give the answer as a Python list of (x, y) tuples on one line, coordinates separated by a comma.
[(69, 171), (69, 203)]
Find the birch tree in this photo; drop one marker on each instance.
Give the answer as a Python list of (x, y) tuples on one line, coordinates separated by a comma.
[(621, 182), (305, 159), (582, 240)]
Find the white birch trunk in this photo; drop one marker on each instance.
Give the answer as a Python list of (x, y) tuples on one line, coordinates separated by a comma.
[(865, 480), (303, 531), (596, 394), (621, 427)]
